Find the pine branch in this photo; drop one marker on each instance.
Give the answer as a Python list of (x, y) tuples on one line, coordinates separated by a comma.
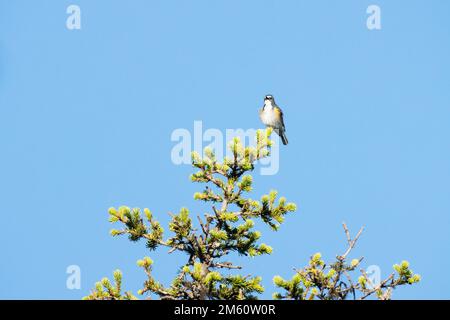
[(333, 281)]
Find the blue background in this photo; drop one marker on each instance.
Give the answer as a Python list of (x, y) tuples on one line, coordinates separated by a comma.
[(86, 118)]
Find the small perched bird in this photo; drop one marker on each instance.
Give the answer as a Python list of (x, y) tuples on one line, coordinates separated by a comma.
[(272, 116)]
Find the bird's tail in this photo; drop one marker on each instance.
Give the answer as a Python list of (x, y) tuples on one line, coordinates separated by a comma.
[(282, 136)]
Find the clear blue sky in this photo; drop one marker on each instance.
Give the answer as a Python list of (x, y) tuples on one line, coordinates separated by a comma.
[(86, 118)]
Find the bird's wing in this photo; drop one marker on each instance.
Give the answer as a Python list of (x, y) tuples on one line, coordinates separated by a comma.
[(280, 114)]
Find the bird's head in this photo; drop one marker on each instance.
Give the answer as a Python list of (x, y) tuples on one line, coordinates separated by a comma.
[(269, 98)]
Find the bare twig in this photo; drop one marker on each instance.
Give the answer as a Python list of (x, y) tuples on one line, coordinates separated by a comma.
[(351, 242)]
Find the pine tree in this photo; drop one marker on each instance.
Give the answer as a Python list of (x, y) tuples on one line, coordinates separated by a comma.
[(333, 281), (229, 228)]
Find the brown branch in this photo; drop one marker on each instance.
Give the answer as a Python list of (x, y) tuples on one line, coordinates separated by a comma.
[(382, 285), (351, 242), (227, 265)]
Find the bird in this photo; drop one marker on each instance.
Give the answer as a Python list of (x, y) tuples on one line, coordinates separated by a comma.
[(272, 116)]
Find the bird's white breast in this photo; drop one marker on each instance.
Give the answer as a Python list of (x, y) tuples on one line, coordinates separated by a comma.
[(268, 116)]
